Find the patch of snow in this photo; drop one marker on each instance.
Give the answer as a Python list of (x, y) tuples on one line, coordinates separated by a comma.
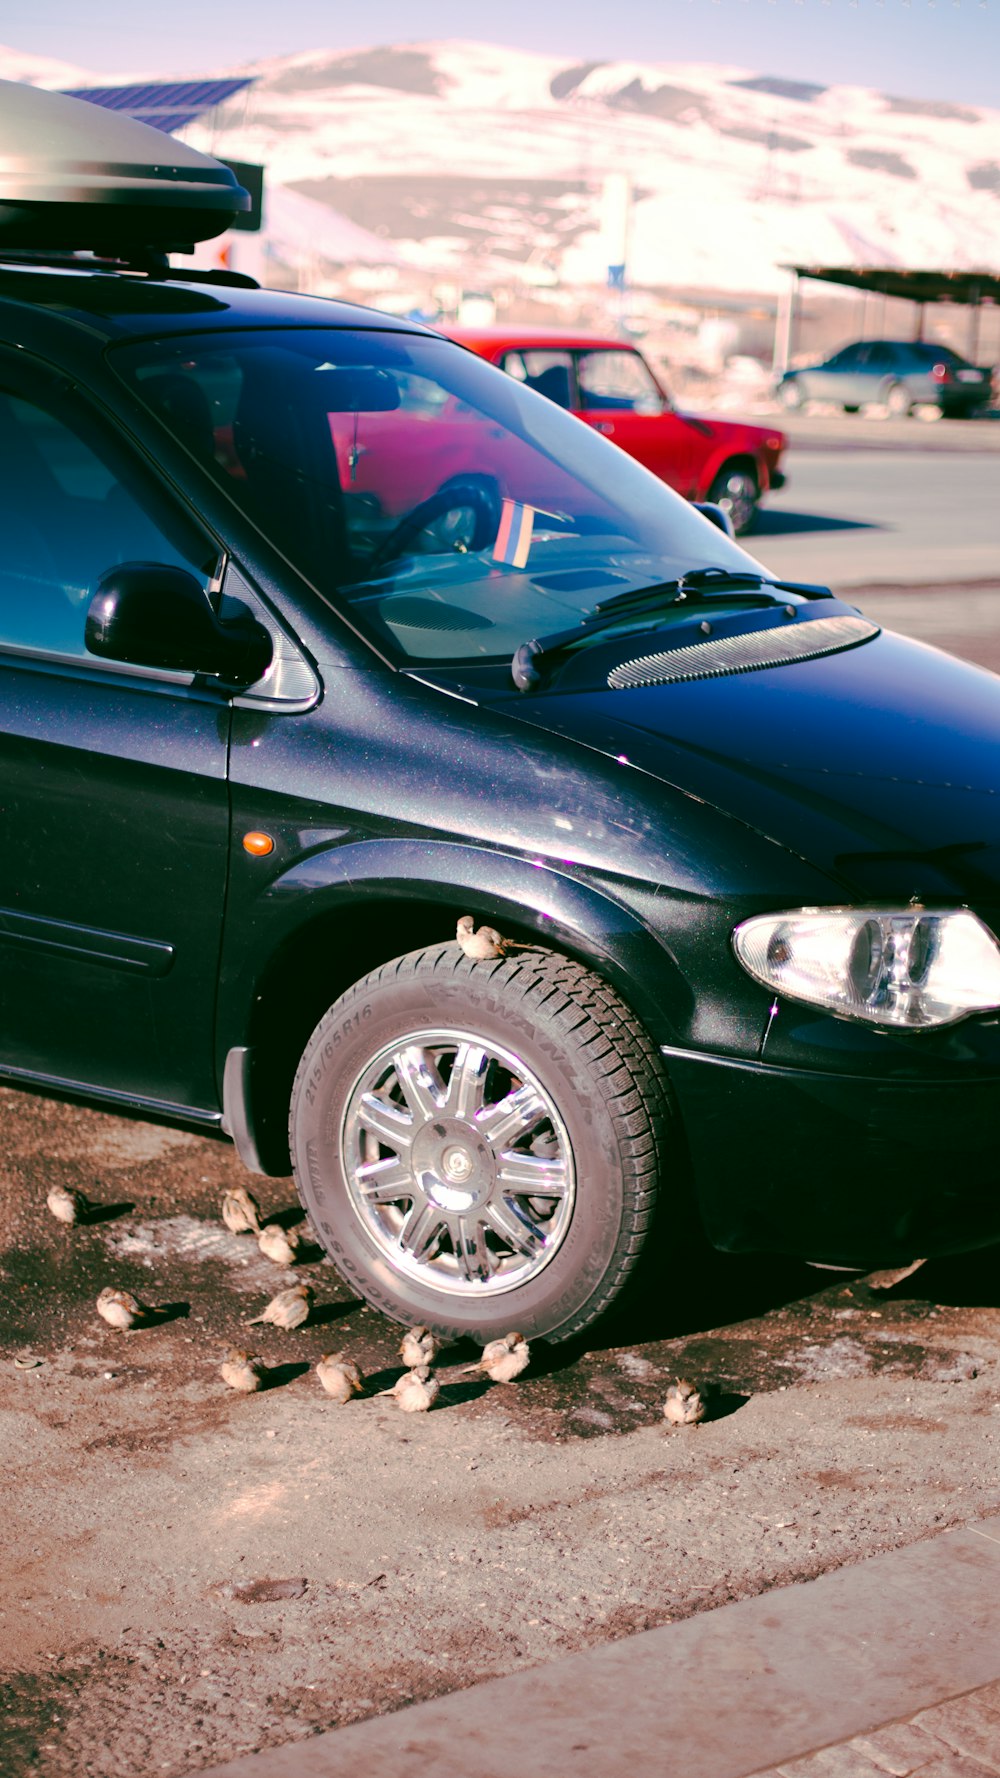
[(188, 1238), (838, 1358), (594, 1417), (634, 1365)]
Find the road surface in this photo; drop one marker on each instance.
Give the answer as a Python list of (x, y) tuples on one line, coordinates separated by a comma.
[(854, 518)]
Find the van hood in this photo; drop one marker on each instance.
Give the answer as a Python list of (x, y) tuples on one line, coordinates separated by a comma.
[(879, 765)]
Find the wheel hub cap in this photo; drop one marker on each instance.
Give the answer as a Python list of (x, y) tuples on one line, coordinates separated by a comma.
[(458, 1163), (452, 1165)]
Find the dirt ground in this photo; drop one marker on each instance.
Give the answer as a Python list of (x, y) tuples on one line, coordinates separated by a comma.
[(510, 1526)]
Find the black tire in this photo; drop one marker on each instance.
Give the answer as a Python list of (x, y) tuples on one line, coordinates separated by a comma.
[(852, 407), (573, 1038), (737, 490)]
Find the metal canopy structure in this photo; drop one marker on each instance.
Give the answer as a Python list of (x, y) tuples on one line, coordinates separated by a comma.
[(167, 106), (918, 287), (967, 289)]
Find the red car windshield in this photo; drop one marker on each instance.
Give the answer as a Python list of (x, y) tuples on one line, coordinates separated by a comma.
[(454, 511), (604, 377)]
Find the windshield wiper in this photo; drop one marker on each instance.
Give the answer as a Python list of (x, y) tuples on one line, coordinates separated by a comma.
[(700, 585)]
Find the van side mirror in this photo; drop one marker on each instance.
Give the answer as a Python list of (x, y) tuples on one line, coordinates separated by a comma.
[(154, 615)]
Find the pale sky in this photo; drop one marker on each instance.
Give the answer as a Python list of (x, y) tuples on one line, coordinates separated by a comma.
[(940, 49)]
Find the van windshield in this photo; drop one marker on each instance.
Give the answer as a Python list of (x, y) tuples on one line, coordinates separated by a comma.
[(452, 510)]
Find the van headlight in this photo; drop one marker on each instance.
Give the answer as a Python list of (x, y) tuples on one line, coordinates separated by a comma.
[(913, 969)]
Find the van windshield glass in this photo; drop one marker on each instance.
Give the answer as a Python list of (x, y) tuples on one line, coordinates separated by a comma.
[(454, 511)]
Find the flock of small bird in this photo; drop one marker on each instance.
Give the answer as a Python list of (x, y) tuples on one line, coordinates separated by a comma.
[(415, 1392)]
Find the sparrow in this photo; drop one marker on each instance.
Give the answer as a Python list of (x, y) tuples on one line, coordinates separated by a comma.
[(487, 942), (417, 1391), (894, 1275), (290, 1308), (281, 1245), (339, 1376), (418, 1346), (503, 1360), (684, 1405), (243, 1371), (119, 1308), (241, 1211), (68, 1205)]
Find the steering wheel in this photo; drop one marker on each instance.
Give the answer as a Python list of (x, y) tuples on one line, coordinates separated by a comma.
[(478, 497)]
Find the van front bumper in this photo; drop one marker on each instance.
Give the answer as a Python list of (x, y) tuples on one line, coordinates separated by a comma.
[(851, 1170)]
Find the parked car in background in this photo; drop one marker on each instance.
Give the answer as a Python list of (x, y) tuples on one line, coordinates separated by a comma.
[(608, 383), (896, 374)]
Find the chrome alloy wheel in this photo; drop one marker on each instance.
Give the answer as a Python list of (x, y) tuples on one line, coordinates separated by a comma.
[(457, 1163)]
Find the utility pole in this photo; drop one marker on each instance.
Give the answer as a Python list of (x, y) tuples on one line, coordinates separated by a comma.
[(616, 221)]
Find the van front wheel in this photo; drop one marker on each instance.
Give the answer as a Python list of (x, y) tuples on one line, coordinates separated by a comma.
[(479, 1143)]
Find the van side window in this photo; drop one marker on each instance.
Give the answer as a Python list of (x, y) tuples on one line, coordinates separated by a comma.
[(64, 518)]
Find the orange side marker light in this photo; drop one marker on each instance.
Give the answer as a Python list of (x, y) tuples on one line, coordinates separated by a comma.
[(258, 844)]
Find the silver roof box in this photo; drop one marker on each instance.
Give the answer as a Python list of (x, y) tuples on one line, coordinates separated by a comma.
[(75, 176)]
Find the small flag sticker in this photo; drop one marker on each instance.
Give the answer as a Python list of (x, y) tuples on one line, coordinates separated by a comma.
[(513, 543)]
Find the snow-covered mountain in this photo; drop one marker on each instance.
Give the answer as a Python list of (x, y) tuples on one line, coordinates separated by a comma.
[(477, 159), (492, 164), (18, 64)]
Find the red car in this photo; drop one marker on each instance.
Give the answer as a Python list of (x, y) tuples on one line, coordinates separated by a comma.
[(608, 384)]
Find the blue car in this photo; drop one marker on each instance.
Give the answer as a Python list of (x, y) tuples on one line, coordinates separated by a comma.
[(896, 374)]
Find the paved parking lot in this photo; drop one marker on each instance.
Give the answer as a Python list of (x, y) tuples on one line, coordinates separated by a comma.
[(856, 519)]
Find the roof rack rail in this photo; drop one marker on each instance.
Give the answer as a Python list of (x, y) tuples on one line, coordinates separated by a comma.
[(152, 264), (221, 275)]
